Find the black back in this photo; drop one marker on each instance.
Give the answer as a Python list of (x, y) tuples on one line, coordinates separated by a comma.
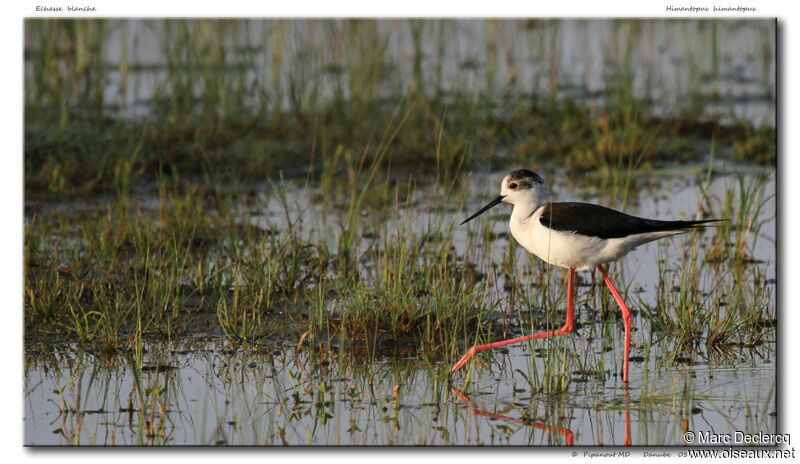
[(599, 221)]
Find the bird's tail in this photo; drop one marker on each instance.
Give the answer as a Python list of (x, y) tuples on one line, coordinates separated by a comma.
[(682, 225)]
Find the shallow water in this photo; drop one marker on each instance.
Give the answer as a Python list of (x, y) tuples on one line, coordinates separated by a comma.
[(274, 396), (212, 392)]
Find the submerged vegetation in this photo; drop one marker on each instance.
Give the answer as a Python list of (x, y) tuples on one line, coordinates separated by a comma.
[(262, 187)]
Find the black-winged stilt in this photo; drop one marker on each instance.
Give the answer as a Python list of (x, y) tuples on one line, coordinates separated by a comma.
[(573, 236)]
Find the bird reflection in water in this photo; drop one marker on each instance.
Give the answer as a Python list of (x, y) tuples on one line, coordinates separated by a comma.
[(565, 432)]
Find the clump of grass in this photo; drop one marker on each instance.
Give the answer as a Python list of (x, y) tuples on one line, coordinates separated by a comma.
[(735, 306), (759, 145), (263, 277), (116, 267), (412, 287), (743, 208)]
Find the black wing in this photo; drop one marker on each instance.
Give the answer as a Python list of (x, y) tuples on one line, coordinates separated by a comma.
[(599, 221)]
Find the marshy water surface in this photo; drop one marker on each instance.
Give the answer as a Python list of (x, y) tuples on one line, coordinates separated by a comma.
[(245, 232), (203, 388)]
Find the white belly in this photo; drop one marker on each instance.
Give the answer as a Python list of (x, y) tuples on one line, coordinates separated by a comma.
[(568, 249)]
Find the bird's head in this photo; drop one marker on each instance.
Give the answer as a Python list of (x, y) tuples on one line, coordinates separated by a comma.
[(519, 187)]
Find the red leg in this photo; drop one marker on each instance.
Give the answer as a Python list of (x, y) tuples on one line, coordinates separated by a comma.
[(627, 428), (627, 419), (626, 320), (567, 328)]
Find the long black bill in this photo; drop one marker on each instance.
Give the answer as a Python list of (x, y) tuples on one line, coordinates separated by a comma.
[(491, 204)]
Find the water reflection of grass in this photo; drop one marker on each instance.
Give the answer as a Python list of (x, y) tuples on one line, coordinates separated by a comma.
[(194, 392)]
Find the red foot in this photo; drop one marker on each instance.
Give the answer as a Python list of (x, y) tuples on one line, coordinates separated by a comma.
[(464, 359)]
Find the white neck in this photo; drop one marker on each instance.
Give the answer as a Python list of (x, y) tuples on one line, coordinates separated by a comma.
[(524, 207), (522, 212)]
